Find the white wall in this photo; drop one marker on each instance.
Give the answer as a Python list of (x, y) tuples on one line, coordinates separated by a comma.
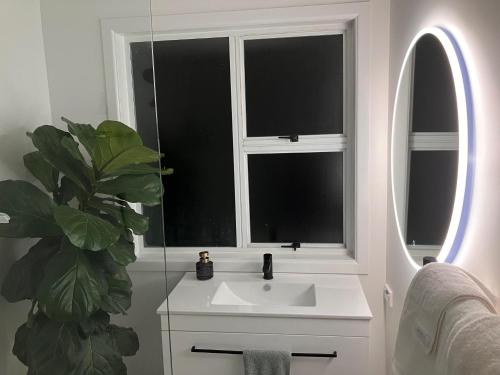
[(374, 282), (149, 292), (165, 7), (475, 24), (24, 104), (72, 37)]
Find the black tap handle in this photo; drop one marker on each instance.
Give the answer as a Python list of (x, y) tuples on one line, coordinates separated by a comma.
[(292, 138), (293, 245)]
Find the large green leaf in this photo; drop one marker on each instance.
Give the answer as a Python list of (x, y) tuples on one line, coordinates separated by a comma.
[(96, 323), (73, 148), (99, 357), (42, 170), (146, 189), (68, 190), (133, 155), (56, 348), (29, 209), (125, 340), (118, 146), (48, 140), (118, 298), (25, 275), (112, 138), (85, 133), (20, 349), (123, 214), (71, 290), (84, 230), (53, 348), (122, 252), (103, 264)]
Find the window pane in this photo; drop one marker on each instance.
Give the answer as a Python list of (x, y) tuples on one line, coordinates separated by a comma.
[(434, 98), (296, 197), (433, 176), (195, 127), (294, 85)]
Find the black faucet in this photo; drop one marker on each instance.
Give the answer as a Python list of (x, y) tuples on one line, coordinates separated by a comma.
[(268, 266)]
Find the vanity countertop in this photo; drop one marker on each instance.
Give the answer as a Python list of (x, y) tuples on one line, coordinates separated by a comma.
[(287, 295)]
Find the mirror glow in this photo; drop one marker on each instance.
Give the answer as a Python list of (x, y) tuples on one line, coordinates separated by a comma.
[(399, 144)]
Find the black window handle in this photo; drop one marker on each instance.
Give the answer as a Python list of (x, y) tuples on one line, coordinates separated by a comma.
[(293, 245), (292, 138)]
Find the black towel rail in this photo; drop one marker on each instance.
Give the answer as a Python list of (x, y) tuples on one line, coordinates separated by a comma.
[(194, 349)]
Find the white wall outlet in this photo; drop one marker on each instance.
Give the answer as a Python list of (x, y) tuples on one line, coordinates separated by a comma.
[(388, 296)]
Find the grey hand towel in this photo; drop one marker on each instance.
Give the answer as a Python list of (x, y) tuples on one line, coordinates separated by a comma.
[(266, 362)]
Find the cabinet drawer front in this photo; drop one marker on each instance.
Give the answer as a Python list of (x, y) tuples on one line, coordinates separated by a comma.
[(278, 325), (352, 353)]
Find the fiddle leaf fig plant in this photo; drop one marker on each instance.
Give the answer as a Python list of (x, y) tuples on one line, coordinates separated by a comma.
[(75, 275)]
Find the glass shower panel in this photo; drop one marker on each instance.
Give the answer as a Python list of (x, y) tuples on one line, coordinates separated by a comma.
[(101, 171)]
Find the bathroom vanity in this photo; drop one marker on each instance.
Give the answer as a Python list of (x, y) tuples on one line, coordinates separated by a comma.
[(322, 319)]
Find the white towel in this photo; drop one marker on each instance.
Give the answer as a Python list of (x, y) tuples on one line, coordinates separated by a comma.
[(470, 341), (436, 289), (475, 347)]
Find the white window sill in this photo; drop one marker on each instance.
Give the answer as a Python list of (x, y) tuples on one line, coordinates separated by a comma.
[(249, 260)]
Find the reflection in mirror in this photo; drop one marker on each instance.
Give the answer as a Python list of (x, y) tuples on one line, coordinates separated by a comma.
[(430, 147)]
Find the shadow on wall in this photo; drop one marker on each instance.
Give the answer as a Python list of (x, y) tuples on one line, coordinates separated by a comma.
[(15, 143), (149, 291), (12, 315)]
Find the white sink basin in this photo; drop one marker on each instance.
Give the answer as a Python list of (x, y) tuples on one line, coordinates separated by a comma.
[(263, 293), (287, 295)]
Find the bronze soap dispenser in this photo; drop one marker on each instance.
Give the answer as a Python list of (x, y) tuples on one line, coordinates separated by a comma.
[(205, 267)]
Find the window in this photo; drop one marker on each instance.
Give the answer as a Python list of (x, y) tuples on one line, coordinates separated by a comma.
[(294, 86), (259, 128), (287, 206), (193, 92)]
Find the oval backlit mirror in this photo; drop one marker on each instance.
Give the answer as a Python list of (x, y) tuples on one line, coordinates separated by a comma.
[(432, 144)]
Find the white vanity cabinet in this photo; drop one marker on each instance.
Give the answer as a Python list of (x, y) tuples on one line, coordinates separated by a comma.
[(334, 318)]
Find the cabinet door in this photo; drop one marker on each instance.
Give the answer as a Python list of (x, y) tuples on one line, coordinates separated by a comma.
[(352, 353)]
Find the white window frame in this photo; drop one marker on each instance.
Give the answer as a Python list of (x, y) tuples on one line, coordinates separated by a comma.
[(307, 143), (350, 19)]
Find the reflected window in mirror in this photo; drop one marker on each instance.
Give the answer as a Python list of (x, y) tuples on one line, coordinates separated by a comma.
[(259, 132), (433, 148)]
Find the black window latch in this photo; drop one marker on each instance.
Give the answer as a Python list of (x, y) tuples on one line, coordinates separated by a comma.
[(292, 138), (293, 245)]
